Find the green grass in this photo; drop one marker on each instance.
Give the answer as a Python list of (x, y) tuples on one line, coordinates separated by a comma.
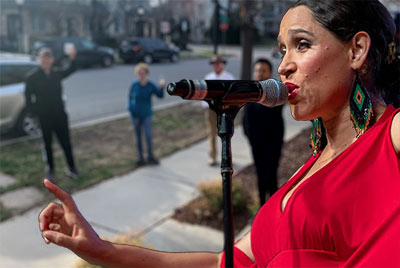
[(101, 151)]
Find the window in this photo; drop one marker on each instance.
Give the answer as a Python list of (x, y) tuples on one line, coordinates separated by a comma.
[(88, 45), (13, 73)]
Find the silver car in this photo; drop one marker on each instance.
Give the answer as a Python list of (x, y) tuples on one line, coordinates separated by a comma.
[(13, 113)]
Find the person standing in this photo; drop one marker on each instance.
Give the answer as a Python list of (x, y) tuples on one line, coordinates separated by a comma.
[(218, 63), (44, 100), (264, 129), (139, 106)]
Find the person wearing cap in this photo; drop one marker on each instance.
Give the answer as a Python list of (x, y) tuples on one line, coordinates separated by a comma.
[(218, 64), (44, 100)]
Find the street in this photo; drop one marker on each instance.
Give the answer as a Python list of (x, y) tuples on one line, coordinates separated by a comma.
[(102, 92), (97, 92)]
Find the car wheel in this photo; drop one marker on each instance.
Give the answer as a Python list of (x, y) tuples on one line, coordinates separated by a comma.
[(65, 63), (174, 58), (107, 61), (148, 59), (27, 125)]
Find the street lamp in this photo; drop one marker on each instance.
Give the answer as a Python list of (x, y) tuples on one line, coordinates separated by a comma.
[(21, 25), (140, 23), (140, 11)]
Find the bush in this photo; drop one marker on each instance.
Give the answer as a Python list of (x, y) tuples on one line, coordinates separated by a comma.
[(212, 191)]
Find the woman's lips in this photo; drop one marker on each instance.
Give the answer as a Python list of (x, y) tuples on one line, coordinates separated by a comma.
[(293, 90)]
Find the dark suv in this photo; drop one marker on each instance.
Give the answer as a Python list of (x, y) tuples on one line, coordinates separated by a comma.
[(88, 52), (147, 50)]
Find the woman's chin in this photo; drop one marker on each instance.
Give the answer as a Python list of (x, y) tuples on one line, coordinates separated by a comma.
[(300, 115)]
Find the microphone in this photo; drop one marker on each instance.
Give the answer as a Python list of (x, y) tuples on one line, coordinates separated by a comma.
[(269, 92)]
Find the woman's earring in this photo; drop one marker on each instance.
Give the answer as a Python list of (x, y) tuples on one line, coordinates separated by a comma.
[(316, 135), (360, 107)]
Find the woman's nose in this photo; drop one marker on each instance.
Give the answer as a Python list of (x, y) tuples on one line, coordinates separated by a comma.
[(287, 66)]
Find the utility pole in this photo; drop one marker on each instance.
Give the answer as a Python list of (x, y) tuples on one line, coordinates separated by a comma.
[(216, 26)]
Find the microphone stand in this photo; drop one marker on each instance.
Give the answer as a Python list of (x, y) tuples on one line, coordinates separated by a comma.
[(226, 115)]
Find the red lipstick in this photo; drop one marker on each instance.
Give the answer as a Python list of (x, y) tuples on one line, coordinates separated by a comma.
[(293, 89)]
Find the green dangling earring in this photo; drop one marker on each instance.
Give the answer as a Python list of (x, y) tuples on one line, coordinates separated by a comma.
[(361, 111), (317, 137)]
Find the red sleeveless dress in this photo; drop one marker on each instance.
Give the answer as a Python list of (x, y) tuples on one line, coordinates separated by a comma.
[(345, 215)]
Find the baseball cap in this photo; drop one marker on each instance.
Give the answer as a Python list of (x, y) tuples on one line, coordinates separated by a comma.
[(45, 52), (217, 58)]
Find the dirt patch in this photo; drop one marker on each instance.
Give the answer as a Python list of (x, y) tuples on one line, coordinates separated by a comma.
[(294, 154)]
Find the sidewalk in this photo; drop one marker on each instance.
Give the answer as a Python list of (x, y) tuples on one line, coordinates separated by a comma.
[(141, 201)]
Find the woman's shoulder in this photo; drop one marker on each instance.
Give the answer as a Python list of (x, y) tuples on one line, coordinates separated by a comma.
[(395, 132)]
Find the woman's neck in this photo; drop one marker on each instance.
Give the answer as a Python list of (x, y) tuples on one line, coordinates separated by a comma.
[(340, 131), (143, 82)]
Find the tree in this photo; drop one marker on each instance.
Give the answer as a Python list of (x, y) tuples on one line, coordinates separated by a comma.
[(247, 13)]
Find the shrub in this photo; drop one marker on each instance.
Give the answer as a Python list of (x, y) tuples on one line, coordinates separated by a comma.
[(212, 191)]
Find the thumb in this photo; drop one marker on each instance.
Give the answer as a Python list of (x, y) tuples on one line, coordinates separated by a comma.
[(59, 239)]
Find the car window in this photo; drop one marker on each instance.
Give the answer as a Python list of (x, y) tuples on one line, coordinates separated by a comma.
[(88, 45), (13, 73), (38, 44), (160, 43), (147, 43)]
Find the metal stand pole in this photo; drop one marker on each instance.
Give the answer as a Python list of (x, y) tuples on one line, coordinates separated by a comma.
[(226, 116)]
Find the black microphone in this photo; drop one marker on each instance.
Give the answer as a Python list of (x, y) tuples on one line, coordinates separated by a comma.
[(269, 92)]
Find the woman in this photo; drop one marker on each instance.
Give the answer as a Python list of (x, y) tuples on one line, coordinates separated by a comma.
[(139, 105), (342, 207)]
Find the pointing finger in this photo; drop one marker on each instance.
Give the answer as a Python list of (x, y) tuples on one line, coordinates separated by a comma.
[(63, 196)]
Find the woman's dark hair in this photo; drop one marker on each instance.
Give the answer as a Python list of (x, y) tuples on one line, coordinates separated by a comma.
[(344, 18)]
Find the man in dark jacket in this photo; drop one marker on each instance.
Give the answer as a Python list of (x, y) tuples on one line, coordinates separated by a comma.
[(43, 96), (264, 128)]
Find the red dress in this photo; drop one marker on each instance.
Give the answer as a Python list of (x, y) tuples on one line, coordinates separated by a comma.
[(347, 214)]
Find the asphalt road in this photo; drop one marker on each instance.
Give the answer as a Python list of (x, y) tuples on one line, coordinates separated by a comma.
[(102, 92), (97, 92)]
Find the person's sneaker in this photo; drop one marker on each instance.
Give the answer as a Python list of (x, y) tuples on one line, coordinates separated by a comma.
[(140, 163), (153, 161), (74, 173), (51, 176)]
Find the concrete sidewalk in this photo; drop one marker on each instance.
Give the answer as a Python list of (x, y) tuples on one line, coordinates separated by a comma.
[(140, 202)]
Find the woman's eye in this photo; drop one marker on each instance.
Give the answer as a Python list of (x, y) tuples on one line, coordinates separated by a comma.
[(282, 51), (303, 44)]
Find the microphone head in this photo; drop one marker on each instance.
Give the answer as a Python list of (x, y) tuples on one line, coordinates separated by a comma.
[(275, 93), (171, 88)]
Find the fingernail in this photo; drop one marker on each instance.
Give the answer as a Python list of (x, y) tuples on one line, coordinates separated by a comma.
[(45, 239)]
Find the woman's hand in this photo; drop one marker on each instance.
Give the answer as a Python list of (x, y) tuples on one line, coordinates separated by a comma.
[(63, 225)]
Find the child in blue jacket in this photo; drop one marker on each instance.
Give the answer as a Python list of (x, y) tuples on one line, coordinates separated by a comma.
[(140, 108)]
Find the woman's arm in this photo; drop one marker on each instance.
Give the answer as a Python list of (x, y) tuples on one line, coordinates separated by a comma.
[(64, 225), (131, 256), (395, 133)]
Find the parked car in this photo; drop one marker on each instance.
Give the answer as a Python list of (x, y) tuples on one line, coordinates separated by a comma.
[(13, 114), (147, 50), (88, 52)]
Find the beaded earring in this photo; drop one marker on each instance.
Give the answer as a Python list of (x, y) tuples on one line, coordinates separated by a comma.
[(316, 135), (360, 107)]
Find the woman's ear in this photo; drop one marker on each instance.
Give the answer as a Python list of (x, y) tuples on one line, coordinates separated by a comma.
[(360, 44)]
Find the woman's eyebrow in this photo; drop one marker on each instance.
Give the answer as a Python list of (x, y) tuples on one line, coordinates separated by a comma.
[(294, 32), (299, 30)]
